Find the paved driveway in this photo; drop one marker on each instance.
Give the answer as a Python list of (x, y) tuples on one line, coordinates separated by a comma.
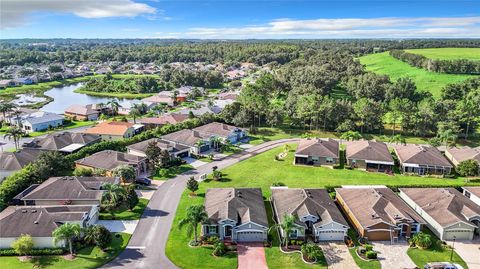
[(119, 226), (194, 162), (393, 256), (338, 256), (251, 256), (469, 251)]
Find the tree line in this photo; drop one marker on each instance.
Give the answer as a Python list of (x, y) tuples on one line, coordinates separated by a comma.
[(457, 66)]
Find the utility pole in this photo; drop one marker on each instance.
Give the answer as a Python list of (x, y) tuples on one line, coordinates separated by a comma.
[(453, 247)]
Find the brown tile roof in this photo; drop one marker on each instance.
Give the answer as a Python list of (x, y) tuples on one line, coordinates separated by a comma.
[(422, 155), (110, 128), (446, 206), (38, 221), (371, 206), (69, 188), (465, 153), (57, 141), (217, 128), (318, 147), (13, 161), (368, 150), (109, 159), (239, 204), (186, 137), (303, 202), (84, 110), (162, 120), (159, 99), (473, 190)]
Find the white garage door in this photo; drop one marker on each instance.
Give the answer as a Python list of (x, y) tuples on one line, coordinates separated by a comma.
[(251, 236), (331, 235), (459, 235)]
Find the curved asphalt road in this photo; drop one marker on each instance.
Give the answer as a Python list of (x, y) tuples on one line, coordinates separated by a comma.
[(146, 248)]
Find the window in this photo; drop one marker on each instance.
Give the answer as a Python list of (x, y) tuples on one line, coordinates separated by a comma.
[(329, 160), (293, 234), (212, 229), (467, 194)]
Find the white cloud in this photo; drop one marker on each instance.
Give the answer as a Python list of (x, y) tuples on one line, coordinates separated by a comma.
[(14, 13), (348, 28)]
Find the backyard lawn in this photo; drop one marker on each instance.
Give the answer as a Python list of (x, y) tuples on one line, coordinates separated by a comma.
[(88, 257), (124, 213), (436, 253)]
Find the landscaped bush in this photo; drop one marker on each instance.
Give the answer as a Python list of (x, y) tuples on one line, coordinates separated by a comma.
[(219, 249), (422, 240), (34, 252), (211, 240), (368, 247), (312, 252), (278, 184), (23, 245), (371, 254)]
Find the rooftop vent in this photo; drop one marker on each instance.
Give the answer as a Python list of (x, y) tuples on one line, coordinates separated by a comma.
[(24, 211), (34, 211)]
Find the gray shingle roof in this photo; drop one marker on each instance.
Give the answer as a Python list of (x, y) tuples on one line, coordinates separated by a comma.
[(368, 150), (422, 155), (57, 141), (109, 159), (186, 137), (239, 204), (217, 128), (163, 144), (13, 161), (303, 202), (318, 147)]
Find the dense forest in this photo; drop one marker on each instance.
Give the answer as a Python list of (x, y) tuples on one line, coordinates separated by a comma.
[(460, 66), (27, 51)]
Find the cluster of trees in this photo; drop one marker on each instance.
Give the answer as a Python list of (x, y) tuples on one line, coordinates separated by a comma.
[(196, 78), (458, 66), (305, 94), (142, 84)]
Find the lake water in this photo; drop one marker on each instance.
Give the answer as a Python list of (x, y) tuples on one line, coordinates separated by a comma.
[(65, 96)]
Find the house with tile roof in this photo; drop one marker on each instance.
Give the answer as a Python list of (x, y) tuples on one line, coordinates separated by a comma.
[(369, 155), (378, 214), (40, 222), (316, 214), (66, 191), (312, 151), (112, 130), (109, 160), (153, 122), (82, 112), (448, 213), (457, 155), (235, 214), (65, 142), (422, 160)]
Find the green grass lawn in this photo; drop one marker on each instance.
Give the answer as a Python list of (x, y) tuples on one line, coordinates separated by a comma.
[(172, 172), (115, 94), (123, 213), (436, 253), (88, 257), (448, 53), (373, 264), (71, 125), (383, 63)]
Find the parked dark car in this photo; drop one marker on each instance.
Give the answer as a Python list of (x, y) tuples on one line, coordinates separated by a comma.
[(143, 181)]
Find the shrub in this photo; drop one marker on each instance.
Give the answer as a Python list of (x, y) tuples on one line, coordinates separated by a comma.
[(312, 251), (163, 172), (217, 175), (368, 247), (422, 240), (219, 249), (131, 197), (23, 245), (371, 254), (468, 168), (278, 184), (34, 252), (211, 240), (98, 235), (83, 172), (192, 185)]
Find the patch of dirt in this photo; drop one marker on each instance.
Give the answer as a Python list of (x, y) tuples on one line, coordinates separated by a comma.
[(24, 258), (69, 257)]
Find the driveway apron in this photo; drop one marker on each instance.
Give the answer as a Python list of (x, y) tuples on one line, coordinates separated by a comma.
[(251, 256)]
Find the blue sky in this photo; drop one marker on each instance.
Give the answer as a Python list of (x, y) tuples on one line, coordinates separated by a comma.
[(221, 19)]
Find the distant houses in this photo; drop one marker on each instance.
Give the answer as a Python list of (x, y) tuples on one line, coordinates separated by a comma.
[(153, 122), (83, 112), (457, 155), (369, 155), (317, 216), (448, 213), (422, 160), (11, 162), (236, 215), (321, 152)]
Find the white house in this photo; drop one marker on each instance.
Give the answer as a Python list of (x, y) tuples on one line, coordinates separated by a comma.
[(38, 121), (473, 193)]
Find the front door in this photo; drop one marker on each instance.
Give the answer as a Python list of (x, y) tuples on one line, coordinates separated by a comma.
[(228, 231)]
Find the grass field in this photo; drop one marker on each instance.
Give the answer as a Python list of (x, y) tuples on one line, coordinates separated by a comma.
[(384, 64), (448, 53), (123, 213), (87, 258)]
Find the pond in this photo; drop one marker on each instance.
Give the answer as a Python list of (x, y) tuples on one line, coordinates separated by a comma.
[(65, 96)]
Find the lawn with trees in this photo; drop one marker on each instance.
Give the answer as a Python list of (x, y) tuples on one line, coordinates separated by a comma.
[(448, 53)]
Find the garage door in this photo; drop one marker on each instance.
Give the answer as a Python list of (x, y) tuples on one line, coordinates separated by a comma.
[(459, 235), (331, 235), (251, 236)]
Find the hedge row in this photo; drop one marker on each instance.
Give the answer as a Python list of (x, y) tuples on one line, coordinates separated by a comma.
[(34, 252), (30, 174), (460, 66)]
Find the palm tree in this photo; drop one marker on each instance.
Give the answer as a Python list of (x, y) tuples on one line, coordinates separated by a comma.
[(5, 108), (397, 139), (16, 134), (114, 105), (67, 232), (135, 112), (112, 197), (351, 135), (448, 137), (126, 173), (287, 225), (215, 140), (195, 215), (199, 144)]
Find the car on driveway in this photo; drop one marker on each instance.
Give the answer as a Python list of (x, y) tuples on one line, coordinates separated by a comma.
[(442, 265), (143, 181)]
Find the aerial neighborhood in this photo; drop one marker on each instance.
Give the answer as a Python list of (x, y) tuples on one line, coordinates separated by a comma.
[(236, 154)]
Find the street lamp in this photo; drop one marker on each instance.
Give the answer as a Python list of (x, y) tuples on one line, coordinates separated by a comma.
[(453, 247)]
